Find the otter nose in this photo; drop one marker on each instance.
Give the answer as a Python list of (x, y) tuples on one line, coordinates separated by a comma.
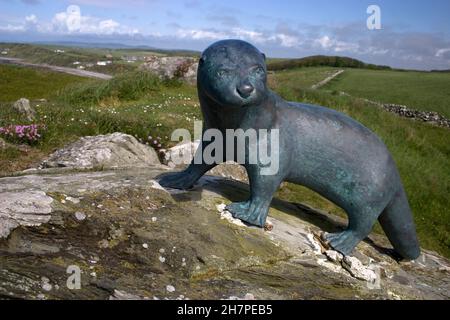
[(245, 90)]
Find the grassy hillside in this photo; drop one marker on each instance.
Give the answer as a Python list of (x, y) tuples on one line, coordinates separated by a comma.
[(46, 54), (151, 109), (17, 82), (428, 91)]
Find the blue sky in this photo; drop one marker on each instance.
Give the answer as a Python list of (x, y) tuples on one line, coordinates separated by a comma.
[(413, 34)]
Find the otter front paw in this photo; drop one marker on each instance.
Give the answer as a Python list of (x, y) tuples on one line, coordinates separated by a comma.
[(177, 180), (249, 211)]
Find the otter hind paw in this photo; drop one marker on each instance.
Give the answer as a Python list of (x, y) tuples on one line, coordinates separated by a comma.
[(344, 241), (249, 212)]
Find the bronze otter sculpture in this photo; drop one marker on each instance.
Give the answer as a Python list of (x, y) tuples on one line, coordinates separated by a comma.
[(319, 148)]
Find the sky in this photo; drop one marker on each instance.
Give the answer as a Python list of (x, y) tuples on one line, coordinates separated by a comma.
[(406, 34)]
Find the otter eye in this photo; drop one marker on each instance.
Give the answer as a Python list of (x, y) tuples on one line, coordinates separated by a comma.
[(222, 72), (259, 70)]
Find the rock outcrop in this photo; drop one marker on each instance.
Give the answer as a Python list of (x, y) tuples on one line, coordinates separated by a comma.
[(431, 117), (181, 155), (123, 236), (104, 151), (184, 68), (425, 116), (23, 107)]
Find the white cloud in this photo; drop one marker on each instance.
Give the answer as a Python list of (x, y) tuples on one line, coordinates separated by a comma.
[(31, 19), (197, 34), (288, 41), (250, 35), (442, 52), (71, 21), (327, 43), (256, 37), (13, 28)]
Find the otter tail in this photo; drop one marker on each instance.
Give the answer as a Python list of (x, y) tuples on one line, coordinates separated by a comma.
[(397, 222)]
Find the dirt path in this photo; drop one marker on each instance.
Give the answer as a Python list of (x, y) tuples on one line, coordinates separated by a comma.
[(76, 72), (326, 80)]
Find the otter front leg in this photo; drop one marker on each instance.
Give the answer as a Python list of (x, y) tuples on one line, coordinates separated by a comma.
[(186, 179), (262, 188)]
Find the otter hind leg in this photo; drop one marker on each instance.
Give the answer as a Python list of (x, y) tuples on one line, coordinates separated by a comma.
[(360, 223), (398, 225)]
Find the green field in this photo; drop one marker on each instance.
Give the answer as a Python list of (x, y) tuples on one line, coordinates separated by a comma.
[(427, 91), (142, 105), (32, 83)]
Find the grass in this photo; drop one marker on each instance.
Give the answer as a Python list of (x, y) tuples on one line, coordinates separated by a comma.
[(17, 82), (125, 87), (427, 91), (144, 106)]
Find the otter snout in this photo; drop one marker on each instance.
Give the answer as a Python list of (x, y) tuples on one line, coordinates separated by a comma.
[(245, 90)]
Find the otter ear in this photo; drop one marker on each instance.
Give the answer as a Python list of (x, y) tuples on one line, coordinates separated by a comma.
[(264, 56), (202, 59)]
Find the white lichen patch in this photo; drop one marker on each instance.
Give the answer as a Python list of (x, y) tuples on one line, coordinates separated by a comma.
[(170, 288), (225, 214), (334, 256), (247, 296), (80, 216), (340, 263), (317, 248), (155, 185), (358, 270), (73, 200)]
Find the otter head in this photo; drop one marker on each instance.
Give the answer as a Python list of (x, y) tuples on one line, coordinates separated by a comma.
[(233, 74)]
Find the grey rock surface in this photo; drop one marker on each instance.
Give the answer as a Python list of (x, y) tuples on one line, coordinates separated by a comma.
[(184, 68), (132, 239), (22, 106), (104, 151), (16, 209), (181, 155)]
